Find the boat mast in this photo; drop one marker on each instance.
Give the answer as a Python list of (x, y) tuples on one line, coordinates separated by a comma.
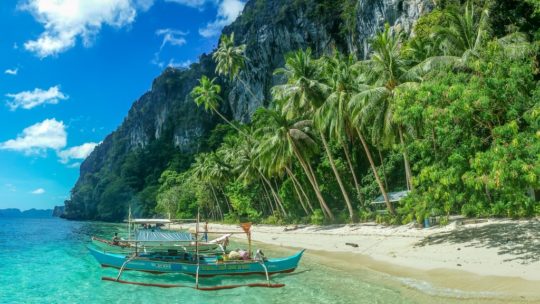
[(197, 250), (129, 223)]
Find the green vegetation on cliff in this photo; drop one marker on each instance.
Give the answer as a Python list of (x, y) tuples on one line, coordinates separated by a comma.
[(451, 113)]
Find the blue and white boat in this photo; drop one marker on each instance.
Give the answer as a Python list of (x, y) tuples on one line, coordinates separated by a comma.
[(188, 264)]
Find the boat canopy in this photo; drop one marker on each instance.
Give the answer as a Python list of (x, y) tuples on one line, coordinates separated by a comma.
[(146, 235), (392, 197)]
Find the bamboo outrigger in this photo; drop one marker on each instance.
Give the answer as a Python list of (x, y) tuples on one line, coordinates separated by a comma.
[(198, 264)]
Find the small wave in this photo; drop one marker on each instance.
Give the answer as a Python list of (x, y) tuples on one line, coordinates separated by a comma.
[(432, 290)]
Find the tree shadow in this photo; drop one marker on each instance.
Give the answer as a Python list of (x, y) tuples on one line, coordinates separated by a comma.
[(522, 240)]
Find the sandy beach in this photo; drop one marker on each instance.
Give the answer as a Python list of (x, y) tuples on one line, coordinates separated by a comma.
[(500, 257)]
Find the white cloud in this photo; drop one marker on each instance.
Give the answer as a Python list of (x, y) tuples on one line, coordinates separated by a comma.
[(78, 152), (228, 11), (74, 165), (191, 3), (66, 21), (37, 138), (182, 64), (11, 71), (38, 191), (172, 37), (30, 99)]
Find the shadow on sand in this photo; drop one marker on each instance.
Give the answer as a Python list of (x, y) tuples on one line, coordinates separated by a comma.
[(519, 239)]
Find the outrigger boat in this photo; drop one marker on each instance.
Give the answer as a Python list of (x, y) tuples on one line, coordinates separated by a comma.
[(155, 238), (197, 264)]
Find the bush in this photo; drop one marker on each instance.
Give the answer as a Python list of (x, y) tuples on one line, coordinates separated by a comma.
[(317, 218)]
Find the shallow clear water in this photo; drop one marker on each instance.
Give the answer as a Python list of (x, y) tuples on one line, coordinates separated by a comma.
[(46, 261)]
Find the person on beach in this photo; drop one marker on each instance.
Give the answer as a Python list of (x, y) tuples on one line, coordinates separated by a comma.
[(116, 239), (206, 231)]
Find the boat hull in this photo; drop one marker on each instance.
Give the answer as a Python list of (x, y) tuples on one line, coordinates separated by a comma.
[(207, 267)]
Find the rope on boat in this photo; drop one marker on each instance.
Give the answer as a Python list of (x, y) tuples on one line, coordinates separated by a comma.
[(124, 266), (265, 272), (197, 277)]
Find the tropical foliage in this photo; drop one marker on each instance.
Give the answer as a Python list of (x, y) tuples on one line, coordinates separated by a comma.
[(451, 114)]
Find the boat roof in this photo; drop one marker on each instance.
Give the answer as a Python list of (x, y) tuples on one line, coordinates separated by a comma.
[(392, 197), (150, 235), (151, 221)]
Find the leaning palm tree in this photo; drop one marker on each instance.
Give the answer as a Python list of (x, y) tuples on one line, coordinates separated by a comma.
[(207, 95), (231, 59), (241, 154), (306, 90), (333, 116), (292, 137)]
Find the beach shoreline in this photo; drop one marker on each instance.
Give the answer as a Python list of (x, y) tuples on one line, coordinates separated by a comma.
[(495, 257)]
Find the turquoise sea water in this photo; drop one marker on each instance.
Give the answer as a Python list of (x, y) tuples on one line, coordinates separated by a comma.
[(46, 261)]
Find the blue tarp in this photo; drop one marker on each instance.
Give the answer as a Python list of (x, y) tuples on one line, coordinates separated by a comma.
[(148, 235)]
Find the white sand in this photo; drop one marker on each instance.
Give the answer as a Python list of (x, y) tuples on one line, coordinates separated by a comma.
[(455, 255)]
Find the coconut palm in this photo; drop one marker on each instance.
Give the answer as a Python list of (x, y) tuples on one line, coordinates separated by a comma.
[(276, 158), (241, 154), (306, 90), (231, 59), (303, 89), (291, 137), (333, 115), (207, 95), (373, 108), (465, 32)]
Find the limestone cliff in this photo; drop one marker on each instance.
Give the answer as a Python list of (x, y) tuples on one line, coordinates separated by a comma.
[(164, 126)]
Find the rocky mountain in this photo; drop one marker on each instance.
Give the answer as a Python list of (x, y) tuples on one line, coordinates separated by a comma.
[(164, 127), (31, 213), (58, 211)]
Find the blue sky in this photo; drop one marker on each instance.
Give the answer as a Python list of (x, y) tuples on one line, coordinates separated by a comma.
[(69, 72)]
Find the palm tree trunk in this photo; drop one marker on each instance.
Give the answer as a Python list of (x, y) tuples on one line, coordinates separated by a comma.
[(352, 213), (295, 180), (267, 196), (230, 123), (314, 177), (355, 179), (300, 199), (248, 89), (377, 178), (383, 168), (408, 172), (274, 194), (313, 180), (215, 196), (226, 200)]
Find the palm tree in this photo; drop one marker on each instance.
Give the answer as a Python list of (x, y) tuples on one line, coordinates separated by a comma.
[(207, 94), (231, 59), (210, 174), (333, 116), (465, 32), (290, 137), (241, 154), (305, 90), (276, 157), (373, 107)]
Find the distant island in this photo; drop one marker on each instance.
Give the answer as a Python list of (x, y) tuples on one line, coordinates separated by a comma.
[(31, 213)]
